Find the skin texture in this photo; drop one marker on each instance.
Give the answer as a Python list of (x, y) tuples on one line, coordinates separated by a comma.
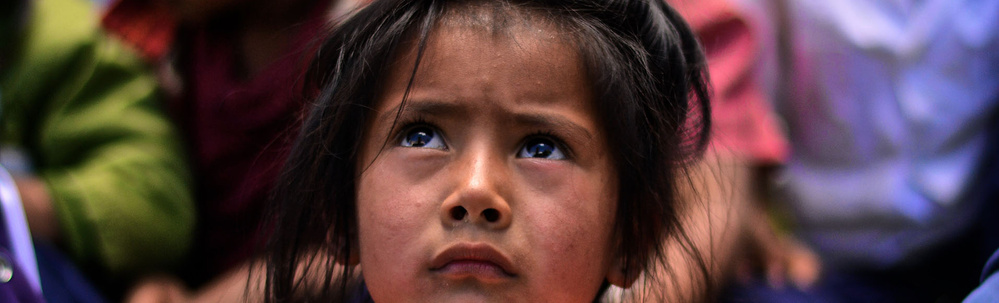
[(487, 95), (38, 207)]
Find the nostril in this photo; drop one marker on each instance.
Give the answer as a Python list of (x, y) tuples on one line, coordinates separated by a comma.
[(458, 213), (491, 215)]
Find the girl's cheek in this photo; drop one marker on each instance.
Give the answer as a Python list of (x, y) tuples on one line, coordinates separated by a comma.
[(394, 205), (545, 175), (570, 232), (413, 166), (563, 198), (572, 204), (404, 178), (402, 189)]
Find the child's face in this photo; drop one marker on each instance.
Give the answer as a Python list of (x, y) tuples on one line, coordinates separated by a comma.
[(497, 184)]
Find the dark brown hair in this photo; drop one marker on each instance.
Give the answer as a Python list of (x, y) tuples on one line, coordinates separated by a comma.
[(650, 80)]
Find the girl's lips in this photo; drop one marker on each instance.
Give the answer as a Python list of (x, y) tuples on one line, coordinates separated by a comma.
[(473, 260)]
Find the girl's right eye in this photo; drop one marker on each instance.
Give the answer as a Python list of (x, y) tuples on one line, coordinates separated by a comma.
[(423, 136)]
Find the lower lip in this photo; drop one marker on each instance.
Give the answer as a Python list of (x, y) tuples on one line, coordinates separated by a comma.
[(481, 270)]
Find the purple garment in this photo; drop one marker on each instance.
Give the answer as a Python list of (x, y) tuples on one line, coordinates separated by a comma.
[(17, 289), (887, 111), (15, 284)]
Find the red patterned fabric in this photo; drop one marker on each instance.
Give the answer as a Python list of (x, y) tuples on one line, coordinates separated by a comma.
[(148, 27)]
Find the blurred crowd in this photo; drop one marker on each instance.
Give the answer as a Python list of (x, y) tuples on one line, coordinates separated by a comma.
[(854, 153)]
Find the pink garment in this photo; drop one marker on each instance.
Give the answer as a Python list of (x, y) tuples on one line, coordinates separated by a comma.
[(744, 123)]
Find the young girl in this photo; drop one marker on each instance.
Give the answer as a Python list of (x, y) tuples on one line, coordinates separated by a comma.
[(501, 151)]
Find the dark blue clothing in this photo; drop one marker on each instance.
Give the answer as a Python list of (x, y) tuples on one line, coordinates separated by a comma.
[(361, 295), (989, 290), (933, 281), (61, 281)]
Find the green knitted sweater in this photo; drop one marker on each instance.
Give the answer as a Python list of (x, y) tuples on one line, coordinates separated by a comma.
[(84, 111)]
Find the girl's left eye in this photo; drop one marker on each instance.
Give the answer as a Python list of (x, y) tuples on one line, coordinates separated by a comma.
[(423, 136), (541, 148)]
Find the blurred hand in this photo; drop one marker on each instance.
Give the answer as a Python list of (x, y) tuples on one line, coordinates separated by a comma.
[(778, 256), (232, 286), (38, 208)]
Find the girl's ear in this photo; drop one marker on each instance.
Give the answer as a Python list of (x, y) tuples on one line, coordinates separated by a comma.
[(618, 274)]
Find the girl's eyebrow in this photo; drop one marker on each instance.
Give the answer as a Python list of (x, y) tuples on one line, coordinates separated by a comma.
[(450, 109), (555, 122), (424, 107)]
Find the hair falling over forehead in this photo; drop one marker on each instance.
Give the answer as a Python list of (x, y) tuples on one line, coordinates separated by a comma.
[(650, 81)]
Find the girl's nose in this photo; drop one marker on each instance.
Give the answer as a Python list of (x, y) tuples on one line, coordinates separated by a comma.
[(478, 198)]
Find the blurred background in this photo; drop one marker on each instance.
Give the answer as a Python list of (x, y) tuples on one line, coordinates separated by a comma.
[(858, 140)]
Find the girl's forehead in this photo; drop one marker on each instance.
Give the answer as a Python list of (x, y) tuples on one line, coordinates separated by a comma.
[(535, 59), (470, 64), (499, 18)]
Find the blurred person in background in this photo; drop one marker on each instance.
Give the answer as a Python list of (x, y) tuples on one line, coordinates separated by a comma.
[(890, 109), (96, 164), (721, 212), (232, 73)]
